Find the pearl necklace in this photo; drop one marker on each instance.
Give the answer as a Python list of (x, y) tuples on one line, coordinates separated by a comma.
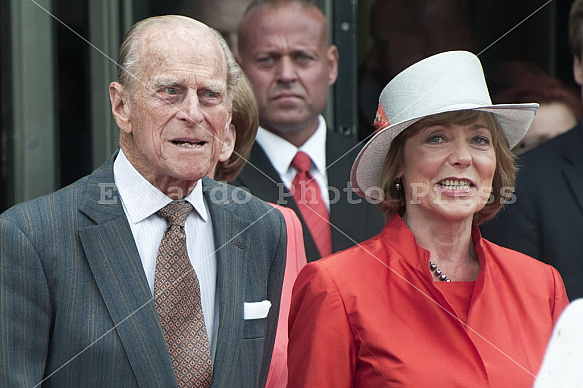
[(439, 273)]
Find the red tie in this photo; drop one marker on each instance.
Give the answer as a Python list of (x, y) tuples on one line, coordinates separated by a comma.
[(307, 195)]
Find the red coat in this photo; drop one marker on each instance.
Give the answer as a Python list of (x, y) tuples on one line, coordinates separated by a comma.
[(371, 316), (295, 261)]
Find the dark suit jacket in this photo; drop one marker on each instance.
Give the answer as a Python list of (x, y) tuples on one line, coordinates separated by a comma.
[(353, 219), (546, 221), (75, 306)]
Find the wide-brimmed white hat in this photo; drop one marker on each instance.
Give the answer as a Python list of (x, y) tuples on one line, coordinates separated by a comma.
[(444, 82)]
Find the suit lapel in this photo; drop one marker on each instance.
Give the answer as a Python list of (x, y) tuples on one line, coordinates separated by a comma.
[(259, 177), (118, 272), (230, 238), (573, 169), (339, 158)]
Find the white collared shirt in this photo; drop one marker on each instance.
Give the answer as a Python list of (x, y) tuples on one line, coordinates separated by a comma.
[(281, 153), (141, 200)]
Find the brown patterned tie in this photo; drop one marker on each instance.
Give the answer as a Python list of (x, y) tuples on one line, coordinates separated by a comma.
[(177, 296)]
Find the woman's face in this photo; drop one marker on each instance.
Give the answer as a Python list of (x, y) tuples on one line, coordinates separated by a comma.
[(448, 170)]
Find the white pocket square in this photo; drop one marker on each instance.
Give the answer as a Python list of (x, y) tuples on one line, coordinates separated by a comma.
[(256, 310)]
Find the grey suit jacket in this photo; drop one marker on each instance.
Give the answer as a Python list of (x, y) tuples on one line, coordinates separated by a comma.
[(546, 221), (75, 306), (353, 219)]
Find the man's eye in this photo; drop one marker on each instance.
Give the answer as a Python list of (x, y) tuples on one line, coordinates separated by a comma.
[(171, 91), (265, 60), (210, 97), (303, 58)]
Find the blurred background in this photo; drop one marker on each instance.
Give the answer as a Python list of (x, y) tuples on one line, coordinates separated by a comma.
[(57, 58)]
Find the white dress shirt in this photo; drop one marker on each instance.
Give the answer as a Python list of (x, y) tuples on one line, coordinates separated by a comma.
[(281, 153), (141, 200)]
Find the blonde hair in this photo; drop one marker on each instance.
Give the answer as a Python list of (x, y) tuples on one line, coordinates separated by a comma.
[(504, 175), (245, 118)]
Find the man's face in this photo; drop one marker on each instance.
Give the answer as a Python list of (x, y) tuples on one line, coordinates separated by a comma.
[(578, 71), (285, 54), (178, 116)]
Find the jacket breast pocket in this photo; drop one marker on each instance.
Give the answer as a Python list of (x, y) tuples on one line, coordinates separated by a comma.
[(254, 328)]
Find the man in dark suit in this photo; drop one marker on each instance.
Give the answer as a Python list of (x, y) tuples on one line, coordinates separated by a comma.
[(78, 268), (546, 221), (284, 51)]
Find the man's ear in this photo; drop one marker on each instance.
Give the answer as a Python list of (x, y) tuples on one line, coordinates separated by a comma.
[(333, 63), (120, 106), (228, 144), (578, 70)]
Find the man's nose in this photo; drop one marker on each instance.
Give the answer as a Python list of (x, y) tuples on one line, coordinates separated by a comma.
[(286, 70), (189, 110)]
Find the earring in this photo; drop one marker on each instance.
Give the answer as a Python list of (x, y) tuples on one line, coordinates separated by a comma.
[(397, 184)]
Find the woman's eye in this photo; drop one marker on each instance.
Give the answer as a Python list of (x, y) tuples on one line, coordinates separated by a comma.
[(482, 140), (435, 139)]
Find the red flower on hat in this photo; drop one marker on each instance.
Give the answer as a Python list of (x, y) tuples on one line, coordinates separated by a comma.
[(380, 120)]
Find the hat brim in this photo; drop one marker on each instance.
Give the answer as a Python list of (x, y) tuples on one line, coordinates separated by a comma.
[(365, 177)]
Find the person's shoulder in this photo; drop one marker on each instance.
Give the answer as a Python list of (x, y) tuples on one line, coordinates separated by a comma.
[(287, 212), (338, 144), (341, 139), (515, 261), (356, 257), (546, 154), (238, 201), (545, 162), (55, 204)]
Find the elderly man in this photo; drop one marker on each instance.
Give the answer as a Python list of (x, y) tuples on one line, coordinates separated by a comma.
[(296, 161), (115, 281)]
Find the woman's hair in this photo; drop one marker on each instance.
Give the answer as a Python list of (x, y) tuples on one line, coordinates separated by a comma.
[(245, 118), (502, 183), (525, 82)]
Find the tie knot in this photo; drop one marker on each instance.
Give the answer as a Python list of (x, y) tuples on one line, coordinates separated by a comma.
[(176, 212), (302, 162)]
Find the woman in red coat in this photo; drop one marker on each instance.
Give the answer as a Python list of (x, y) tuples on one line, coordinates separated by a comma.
[(428, 302)]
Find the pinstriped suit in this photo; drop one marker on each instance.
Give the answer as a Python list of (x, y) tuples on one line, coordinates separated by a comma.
[(75, 304)]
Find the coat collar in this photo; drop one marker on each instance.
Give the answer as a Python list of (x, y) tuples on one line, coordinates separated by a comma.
[(231, 241), (403, 241), (118, 273)]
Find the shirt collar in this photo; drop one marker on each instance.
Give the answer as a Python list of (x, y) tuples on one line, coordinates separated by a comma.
[(141, 199), (281, 152)]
